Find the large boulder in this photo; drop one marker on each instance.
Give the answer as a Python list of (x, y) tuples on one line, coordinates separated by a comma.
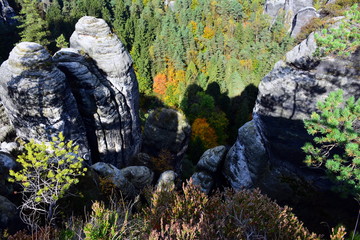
[(167, 130), (9, 215), (211, 159), (139, 176), (6, 163), (203, 180), (37, 99), (166, 181), (114, 80), (302, 17), (116, 177)]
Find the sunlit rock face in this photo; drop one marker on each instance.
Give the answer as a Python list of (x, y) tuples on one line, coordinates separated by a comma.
[(111, 89), (296, 13), (36, 97)]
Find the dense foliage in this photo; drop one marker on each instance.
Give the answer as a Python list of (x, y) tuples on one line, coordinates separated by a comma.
[(337, 139), (190, 214), (47, 172)]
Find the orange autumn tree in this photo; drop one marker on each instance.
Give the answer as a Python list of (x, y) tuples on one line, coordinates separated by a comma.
[(201, 129), (159, 85)]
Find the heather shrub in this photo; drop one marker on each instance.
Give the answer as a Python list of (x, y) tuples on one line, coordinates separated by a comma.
[(246, 214)]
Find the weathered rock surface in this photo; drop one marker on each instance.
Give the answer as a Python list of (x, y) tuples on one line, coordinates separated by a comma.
[(268, 152), (302, 17), (6, 13), (9, 217), (297, 12), (211, 159), (36, 97), (203, 180), (139, 176), (166, 181), (6, 127), (118, 82), (115, 175), (102, 107), (166, 129)]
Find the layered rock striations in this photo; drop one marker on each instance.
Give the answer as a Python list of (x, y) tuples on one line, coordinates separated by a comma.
[(36, 97), (111, 88), (89, 92)]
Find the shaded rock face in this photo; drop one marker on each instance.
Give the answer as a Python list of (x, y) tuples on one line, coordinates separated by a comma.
[(268, 152), (6, 13), (208, 168), (302, 17), (9, 217), (6, 163), (117, 178), (167, 129), (102, 107), (36, 97), (111, 89)]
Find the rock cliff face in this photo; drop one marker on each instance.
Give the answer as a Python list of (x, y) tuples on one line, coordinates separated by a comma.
[(268, 149), (88, 92), (36, 97), (297, 13), (111, 86)]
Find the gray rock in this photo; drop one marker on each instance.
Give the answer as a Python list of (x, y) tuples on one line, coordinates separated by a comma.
[(9, 218), (102, 107), (6, 163), (287, 95), (301, 56), (37, 99), (273, 7), (93, 37), (167, 129), (204, 180), (115, 175), (6, 127), (166, 181), (247, 160), (9, 147), (6, 13), (302, 17), (139, 176), (211, 159)]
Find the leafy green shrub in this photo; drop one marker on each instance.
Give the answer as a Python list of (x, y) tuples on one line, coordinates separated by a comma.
[(48, 171), (341, 40), (336, 141)]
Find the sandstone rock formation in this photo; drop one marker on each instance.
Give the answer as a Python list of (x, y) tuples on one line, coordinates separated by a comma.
[(166, 181), (6, 128), (204, 181), (6, 163), (6, 13), (36, 97), (297, 13), (268, 152), (9, 217), (211, 159), (139, 176), (167, 129), (117, 178), (116, 83)]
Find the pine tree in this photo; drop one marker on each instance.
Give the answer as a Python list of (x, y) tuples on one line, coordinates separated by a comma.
[(34, 28), (337, 139)]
